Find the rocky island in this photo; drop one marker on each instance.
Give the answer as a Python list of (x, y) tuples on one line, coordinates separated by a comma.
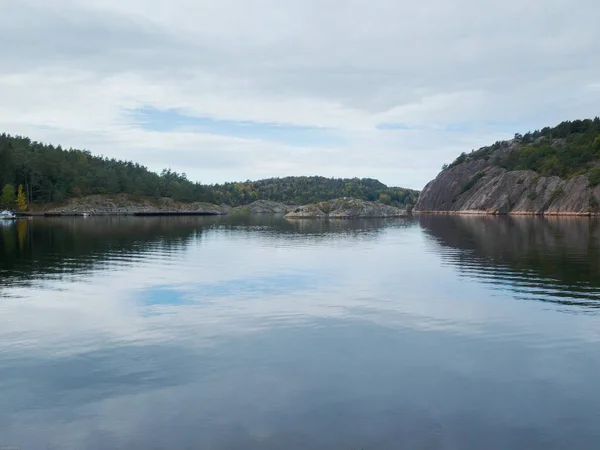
[(262, 207), (346, 208), (554, 171)]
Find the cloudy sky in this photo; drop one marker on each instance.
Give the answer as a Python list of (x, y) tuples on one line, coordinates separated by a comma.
[(230, 90)]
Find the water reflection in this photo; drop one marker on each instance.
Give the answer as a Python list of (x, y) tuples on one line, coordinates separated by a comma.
[(39, 249), (263, 333), (548, 259)]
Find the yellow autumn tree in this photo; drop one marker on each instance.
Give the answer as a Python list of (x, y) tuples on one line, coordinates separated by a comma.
[(21, 199)]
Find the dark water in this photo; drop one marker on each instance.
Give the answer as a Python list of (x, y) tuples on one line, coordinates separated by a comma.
[(206, 333)]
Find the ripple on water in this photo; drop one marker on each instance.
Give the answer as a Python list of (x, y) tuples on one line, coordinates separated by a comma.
[(268, 333)]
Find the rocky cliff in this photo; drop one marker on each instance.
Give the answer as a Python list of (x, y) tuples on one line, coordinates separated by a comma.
[(481, 185), (346, 208)]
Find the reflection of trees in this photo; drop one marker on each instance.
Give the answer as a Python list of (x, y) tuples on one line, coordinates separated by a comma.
[(54, 247), (551, 256), (309, 229), (35, 248), (343, 226), (318, 230)]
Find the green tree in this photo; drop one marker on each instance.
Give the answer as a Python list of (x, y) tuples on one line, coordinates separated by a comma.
[(385, 198), (8, 199), (51, 174)]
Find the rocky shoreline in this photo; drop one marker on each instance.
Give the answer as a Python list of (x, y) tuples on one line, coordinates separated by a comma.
[(129, 205), (346, 208), (511, 213), (262, 207), (124, 205)]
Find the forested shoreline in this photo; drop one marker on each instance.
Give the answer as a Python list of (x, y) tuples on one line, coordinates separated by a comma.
[(36, 173)]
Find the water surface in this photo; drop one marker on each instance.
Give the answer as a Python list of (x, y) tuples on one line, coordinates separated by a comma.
[(263, 333)]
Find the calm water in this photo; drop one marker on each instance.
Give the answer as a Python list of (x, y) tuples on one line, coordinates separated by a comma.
[(261, 333)]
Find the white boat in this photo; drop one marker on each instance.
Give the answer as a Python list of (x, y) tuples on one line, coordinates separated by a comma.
[(7, 215)]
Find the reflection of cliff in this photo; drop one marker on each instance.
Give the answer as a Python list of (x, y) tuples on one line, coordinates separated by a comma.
[(549, 257)]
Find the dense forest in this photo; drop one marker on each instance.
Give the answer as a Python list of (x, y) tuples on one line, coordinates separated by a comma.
[(36, 173), (568, 149), (303, 190)]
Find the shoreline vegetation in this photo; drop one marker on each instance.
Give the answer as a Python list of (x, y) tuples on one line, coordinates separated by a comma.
[(48, 177), (553, 172)]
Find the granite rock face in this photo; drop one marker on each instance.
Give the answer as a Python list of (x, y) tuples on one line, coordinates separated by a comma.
[(479, 187), (124, 204), (263, 207), (346, 208)]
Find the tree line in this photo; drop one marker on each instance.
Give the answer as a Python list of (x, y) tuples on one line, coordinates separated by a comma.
[(36, 173), (568, 149), (303, 190)]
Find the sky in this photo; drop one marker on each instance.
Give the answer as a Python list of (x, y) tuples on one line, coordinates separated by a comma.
[(229, 90)]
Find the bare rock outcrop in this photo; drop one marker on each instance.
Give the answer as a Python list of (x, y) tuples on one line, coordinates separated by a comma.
[(263, 207), (124, 204), (346, 208), (478, 186)]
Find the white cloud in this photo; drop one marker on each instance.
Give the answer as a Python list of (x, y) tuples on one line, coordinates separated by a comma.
[(454, 71)]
